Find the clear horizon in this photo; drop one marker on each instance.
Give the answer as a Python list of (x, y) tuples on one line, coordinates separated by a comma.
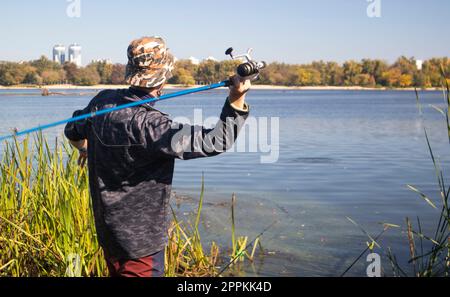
[(286, 31)]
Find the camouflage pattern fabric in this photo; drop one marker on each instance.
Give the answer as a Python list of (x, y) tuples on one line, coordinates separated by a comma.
[(149, 62), (131, 159)]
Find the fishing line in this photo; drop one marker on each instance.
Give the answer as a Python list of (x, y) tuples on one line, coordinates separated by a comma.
[(246, 247), (362, 254)]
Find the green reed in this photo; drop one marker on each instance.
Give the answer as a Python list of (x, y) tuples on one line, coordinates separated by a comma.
[(47, 225), (429, 254)]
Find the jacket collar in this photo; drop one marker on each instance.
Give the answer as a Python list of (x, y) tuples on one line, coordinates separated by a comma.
[(137, 95)]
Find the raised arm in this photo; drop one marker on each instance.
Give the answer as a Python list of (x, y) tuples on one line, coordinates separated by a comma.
[(175, 140)]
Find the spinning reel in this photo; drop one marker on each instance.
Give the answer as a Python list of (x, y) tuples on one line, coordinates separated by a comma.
[(250, 69)]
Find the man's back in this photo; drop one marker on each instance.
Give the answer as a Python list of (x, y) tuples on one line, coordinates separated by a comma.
[(131, 155), (131, 164), (130, 185)]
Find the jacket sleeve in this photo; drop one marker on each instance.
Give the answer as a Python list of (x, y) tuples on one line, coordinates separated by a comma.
[(76, 131), (182, 141)]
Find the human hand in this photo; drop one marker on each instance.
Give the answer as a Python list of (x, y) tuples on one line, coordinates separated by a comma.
[(82, 158), (238, 88)]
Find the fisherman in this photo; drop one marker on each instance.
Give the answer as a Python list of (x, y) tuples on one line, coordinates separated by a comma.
[(131, 155)]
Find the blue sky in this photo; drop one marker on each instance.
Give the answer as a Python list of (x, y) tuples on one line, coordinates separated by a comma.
[(293, 31)]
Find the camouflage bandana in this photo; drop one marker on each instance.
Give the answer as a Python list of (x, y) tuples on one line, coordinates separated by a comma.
[(149, 62)]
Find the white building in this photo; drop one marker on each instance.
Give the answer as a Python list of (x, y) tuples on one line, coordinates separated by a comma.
[(194, 61), (106, 61), (211, 58), (419, 64), (59, 54), (75, 54)]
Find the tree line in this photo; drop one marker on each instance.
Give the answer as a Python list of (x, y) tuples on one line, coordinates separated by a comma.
[(46, 72), (365, 73)]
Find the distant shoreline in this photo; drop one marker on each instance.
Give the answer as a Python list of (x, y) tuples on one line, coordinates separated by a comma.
[(254, 87)]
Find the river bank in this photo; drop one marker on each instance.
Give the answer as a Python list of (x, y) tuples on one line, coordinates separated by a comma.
[(170, 86)]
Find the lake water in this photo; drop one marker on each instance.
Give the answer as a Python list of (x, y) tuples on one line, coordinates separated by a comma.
[(341, 154)]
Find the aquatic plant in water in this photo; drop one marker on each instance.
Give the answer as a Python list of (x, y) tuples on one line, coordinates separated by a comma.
[(429, 254)]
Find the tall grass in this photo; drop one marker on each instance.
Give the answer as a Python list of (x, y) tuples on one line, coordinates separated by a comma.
[(47, 225), (429, 254), (434, 260), (45, 216)]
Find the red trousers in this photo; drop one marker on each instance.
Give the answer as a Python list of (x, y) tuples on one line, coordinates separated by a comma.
[(150, 266)]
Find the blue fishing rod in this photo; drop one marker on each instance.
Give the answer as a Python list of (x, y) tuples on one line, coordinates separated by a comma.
[(119, 107), (250, 69)]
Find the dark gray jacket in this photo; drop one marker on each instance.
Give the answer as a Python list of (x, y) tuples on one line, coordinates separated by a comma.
[(131, 156)]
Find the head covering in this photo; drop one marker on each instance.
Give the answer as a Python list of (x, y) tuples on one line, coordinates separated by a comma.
[(149, 62)]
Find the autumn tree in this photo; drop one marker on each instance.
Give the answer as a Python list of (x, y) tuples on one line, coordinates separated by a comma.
[(118, 74), (51, 76), (432, 70), (351, 70), (334, 74), (104, 70), (374, 68), (406, 65), (182, 76), (406, 80), (391, 78), (16, 73), (43, 63), (87, 76), (309, 77), (71, 71)]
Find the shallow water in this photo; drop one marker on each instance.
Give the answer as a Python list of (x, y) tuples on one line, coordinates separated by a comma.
[(342, 153)]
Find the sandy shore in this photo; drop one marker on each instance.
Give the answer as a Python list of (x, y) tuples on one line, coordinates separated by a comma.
[(254, 87)]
